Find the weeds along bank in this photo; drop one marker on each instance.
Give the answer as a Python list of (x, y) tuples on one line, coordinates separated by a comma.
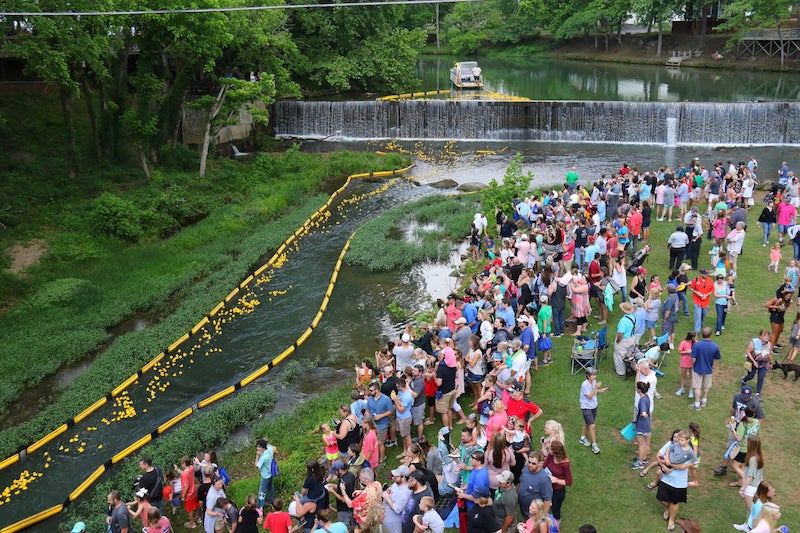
[(74, 301)]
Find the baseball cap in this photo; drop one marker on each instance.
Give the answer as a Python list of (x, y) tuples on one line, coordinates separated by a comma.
[(461, 320), (481, 492), (523, 318), (747, 392), (79, 527), (505, 476), (337, 465), (516, 387), (497, 357), (642, 270), (406, 337), (401, 471)]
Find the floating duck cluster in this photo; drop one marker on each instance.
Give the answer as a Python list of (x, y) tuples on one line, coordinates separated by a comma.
[(21, 483)]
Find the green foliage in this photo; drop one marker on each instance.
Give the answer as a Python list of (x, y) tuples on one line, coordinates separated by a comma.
[(116, 217), (59, 292), (398, 313), (380, 245), (515, 182)]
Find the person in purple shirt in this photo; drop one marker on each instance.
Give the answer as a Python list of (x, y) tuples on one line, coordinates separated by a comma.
[(704, 352)]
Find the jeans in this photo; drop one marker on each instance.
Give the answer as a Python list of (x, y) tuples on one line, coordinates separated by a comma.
[(684, 302), (558, 321), (760, 381), (766, 227), (266, 490), (796, 246), (699, 315), (722, 312), (579, 256)]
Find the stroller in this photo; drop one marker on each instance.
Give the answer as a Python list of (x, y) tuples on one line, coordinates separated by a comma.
[(638, 260)]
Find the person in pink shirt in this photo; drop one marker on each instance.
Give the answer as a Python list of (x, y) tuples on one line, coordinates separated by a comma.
[(786, 214)]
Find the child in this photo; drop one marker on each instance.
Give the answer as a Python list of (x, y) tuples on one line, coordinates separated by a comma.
[(659, 461), (231, 514), (278, 521), (774, 258), (364, 374), (430, 519), (794, 339), (792, 273), (642, 422), (731, 290), (329, 439), (171, 490), (714, 253), (686, 364), (694, 427), (249, 516), (158, 523), (722, 265)]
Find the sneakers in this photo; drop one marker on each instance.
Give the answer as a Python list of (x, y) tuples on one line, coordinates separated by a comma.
[(695, 406), (658, 395), (679, 392), (390, 443), (717, 334), (595, 448), (583, 440), (704, 403), (691, 393), (721, 470), (637, 466), (741, 527)]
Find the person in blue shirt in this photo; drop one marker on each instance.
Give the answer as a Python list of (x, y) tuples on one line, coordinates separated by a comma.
[(478, 478), (704, 353), (380, 407), (470, 312)]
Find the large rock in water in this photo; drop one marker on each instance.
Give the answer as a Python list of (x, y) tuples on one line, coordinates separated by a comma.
[(471, 186), (444, 184)]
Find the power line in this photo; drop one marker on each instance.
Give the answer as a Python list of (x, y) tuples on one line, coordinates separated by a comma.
[(221, 9)]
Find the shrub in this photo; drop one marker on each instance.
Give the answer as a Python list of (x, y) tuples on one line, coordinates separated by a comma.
[(515, 182), (116, 217)]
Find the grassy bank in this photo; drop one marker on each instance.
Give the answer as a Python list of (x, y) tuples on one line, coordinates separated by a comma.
[(605, 491), (77, 296)]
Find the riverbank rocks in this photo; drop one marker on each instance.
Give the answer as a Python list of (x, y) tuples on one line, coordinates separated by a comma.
[(471, 186), (444, 184)]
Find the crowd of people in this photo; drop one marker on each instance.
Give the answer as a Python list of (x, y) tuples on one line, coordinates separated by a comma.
[(555, 262)]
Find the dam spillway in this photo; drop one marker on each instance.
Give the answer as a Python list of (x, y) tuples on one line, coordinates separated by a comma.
[(666, 123)]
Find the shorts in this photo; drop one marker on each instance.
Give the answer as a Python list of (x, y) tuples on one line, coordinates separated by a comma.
[(430, 401), (474, 378), (750, 491), (701, 381), (404, 426), (418, 414), (670, 494), (650, 324), (740, 457), (190, 504), (712, 198), (589, 415), (382, 434), (667, 326), (580, 320), (750, 201), (782, 228), (445, 403), (594, 291)]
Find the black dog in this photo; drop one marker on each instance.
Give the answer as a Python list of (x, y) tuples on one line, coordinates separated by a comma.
[(786, 368)]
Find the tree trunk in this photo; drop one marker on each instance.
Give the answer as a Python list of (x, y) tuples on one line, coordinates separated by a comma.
[(437, 28), (207, 135), (143, 162), (660, 38), (66, 109), (87, 97), (783, 46)]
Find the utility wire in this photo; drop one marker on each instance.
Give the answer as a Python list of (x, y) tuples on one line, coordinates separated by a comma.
[(220, 9)]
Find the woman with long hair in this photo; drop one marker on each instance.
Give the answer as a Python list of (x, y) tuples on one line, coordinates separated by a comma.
[(767, 521), (764, 493), (686, 362), (476, 367), (497, 420), (560, 475), (499, 457), (538, 522), (753, 470)]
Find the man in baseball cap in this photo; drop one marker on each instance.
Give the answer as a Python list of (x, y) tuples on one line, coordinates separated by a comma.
[(505, 502)]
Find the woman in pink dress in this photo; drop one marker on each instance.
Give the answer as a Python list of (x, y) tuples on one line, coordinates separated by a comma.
[(581, 308)]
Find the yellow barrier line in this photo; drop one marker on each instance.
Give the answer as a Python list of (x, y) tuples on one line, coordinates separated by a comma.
[(215, 397), (217, 309), (149, 366), (174, 420), (230, 296), (315, 322), (281, 248), (199, 325), (255, 375), (306, 334), (91, 409), (262, 268), (132, 448), (124, 385), (33, 519), (10, 461), (284, 354), (178, 342), (246, 282), (75, 494)]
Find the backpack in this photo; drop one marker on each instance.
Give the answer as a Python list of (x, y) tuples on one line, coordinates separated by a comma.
[(273, 468), (223, 473)]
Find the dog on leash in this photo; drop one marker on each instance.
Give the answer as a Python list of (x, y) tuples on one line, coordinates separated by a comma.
[(786, 368)]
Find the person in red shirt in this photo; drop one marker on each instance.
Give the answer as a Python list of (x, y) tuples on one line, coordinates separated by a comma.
[(702, 288), (522, 408), (635, 226), (279, 520), (189, 491)]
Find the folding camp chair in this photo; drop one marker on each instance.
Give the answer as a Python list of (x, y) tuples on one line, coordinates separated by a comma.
[(657, 366), (585, 352), (602, 343)]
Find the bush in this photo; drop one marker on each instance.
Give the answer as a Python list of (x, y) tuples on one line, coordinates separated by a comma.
[(515, 183), (116, 217)]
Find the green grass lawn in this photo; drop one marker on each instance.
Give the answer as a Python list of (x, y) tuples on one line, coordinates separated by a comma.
[(605, 491)]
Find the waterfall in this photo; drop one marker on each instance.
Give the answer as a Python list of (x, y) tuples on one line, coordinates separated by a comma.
[(684, 123)]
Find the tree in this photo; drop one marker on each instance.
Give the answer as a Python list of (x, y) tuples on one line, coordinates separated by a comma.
[(234, 94), (515, 183), (656, 12), (747, 16)]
